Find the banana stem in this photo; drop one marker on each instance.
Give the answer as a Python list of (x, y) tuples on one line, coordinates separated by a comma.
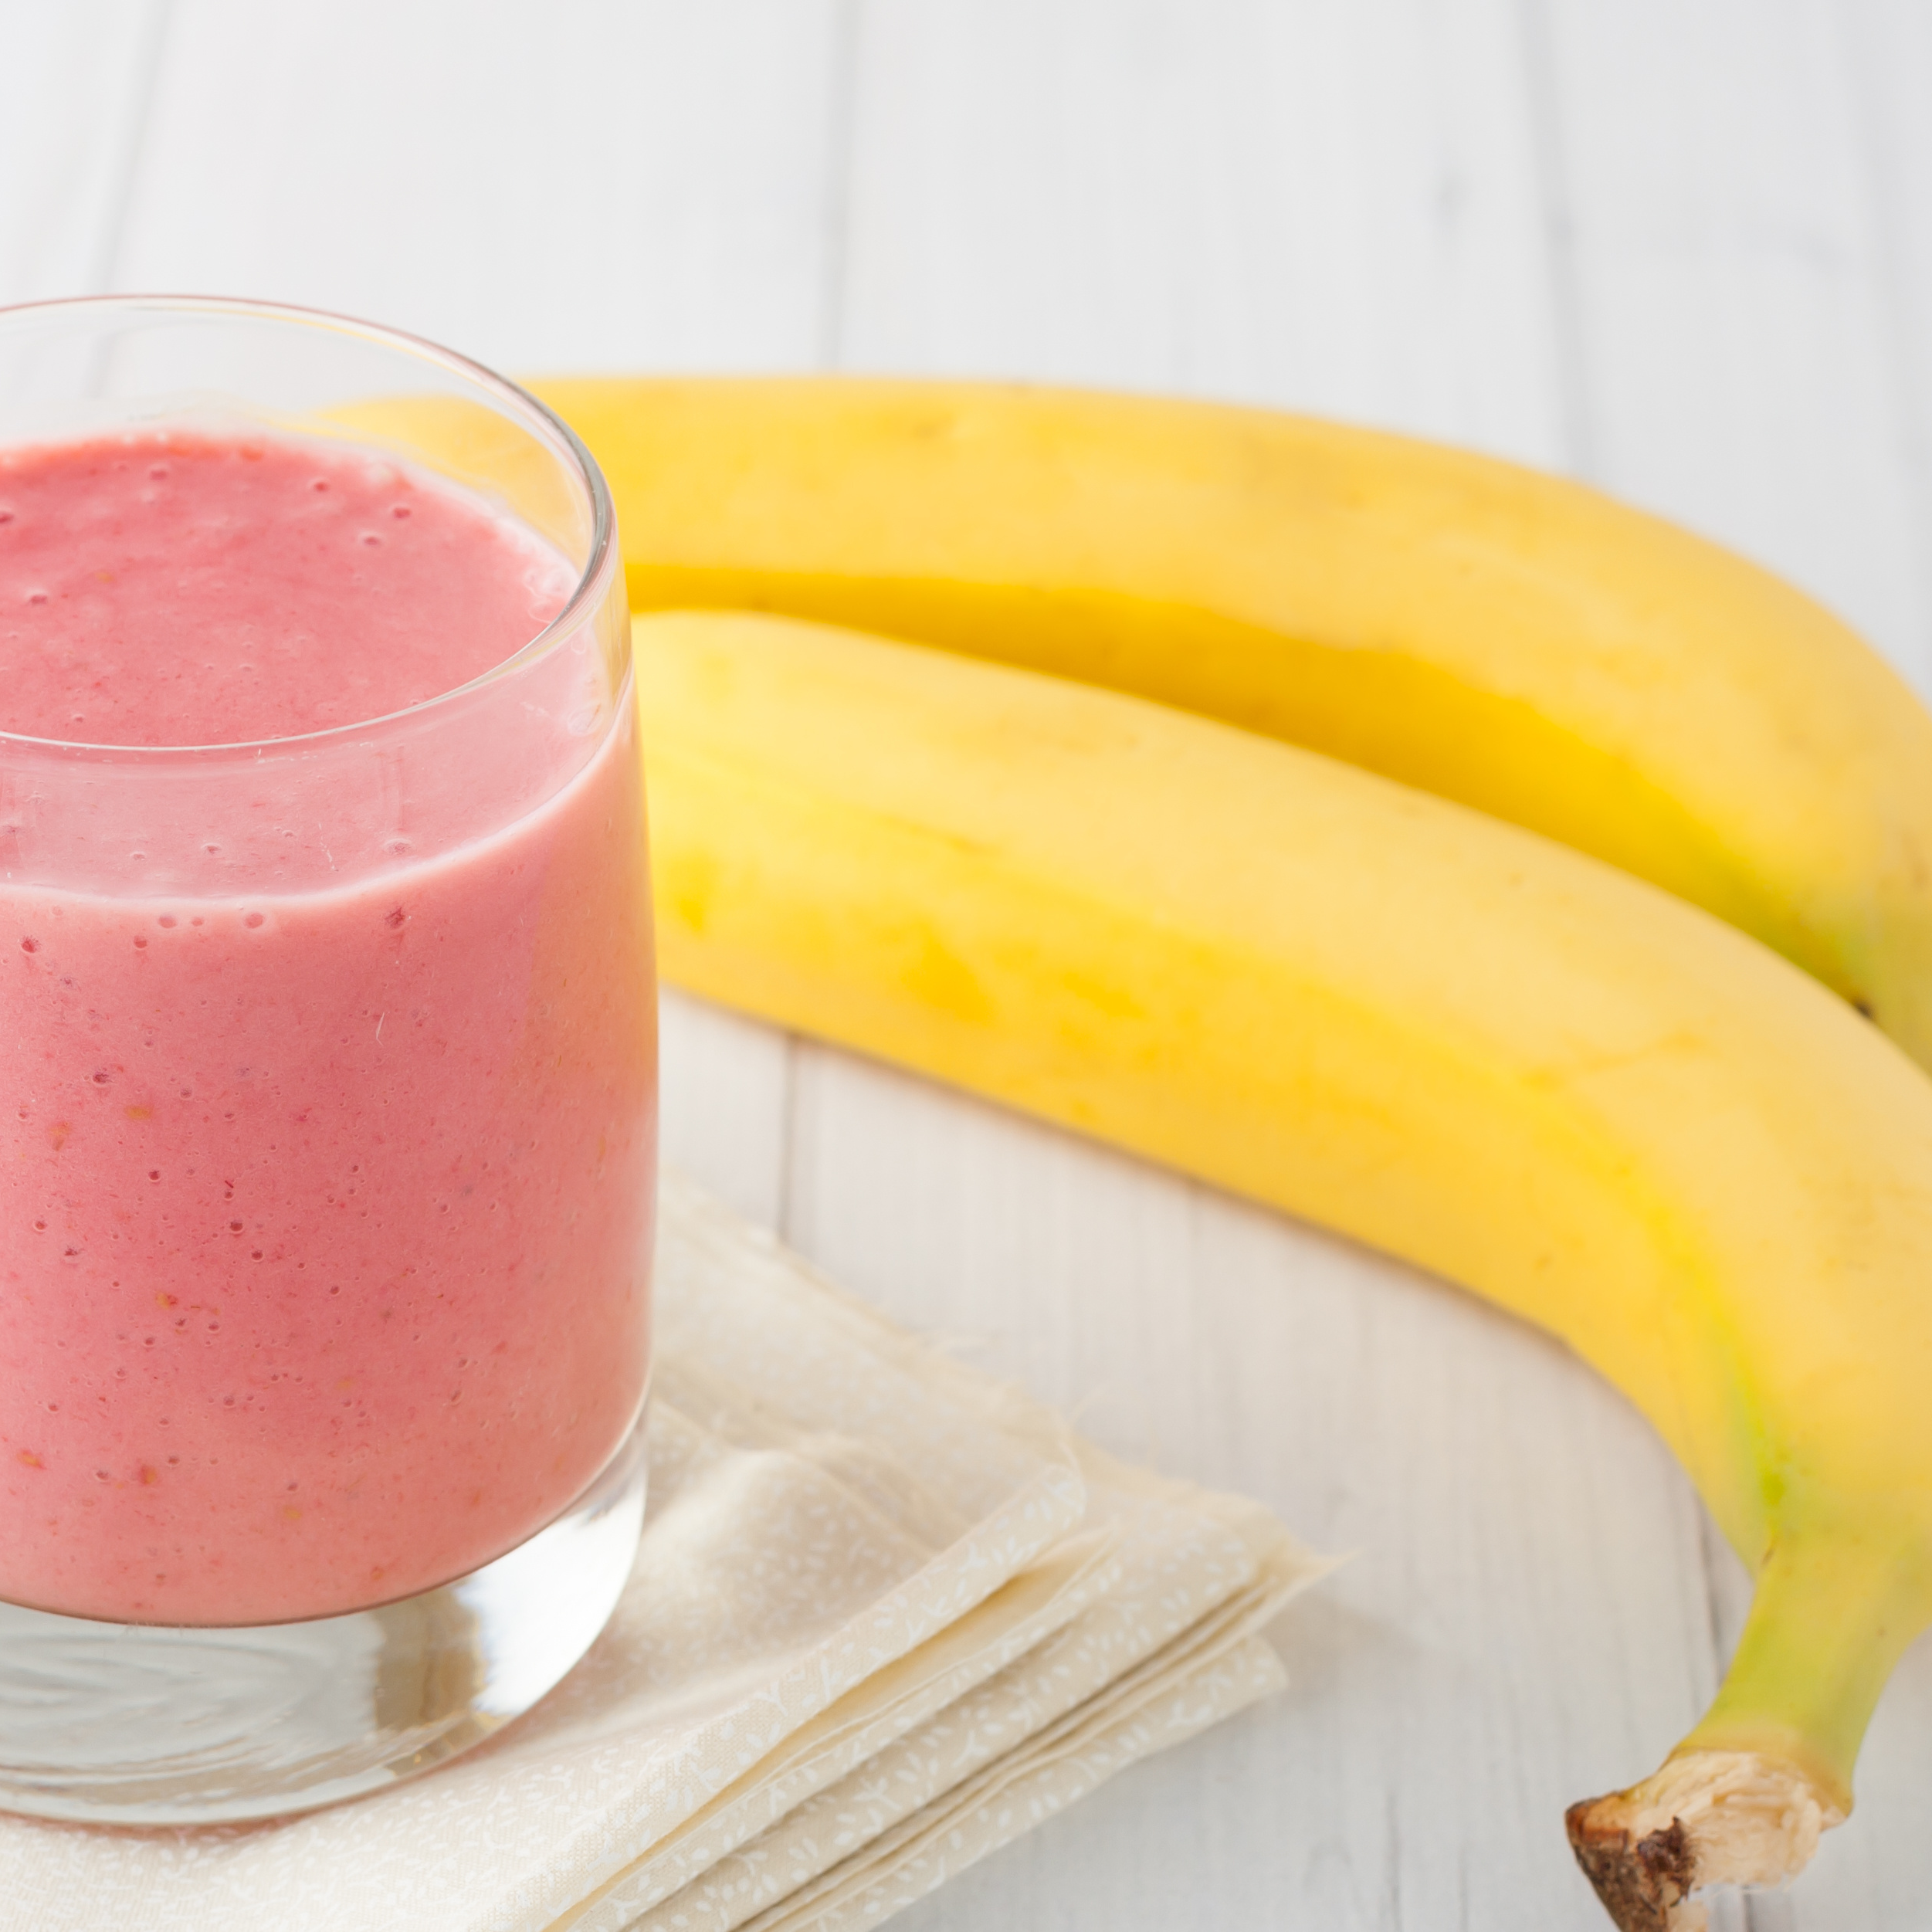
[(1835, 1607), (1742, 1799)]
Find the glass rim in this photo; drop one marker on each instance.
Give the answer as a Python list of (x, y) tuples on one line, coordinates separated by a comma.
[(537, 413)]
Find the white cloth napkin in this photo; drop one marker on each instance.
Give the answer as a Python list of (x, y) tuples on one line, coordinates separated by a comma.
[(886, 1615)]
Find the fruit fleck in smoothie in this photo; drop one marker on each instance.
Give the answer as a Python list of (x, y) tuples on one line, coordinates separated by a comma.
[(326, 1134)]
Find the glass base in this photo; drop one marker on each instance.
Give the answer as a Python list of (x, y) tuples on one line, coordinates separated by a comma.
[(144, 1724)]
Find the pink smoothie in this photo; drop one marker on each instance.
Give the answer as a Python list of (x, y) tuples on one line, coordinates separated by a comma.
[(326, 1134)]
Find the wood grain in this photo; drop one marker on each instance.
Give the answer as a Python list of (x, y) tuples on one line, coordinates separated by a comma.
[(1324, 206), (74, 83), (616, 185), (1742, 356)]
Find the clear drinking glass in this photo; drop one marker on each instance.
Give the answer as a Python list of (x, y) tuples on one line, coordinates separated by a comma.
[(327, 1107)]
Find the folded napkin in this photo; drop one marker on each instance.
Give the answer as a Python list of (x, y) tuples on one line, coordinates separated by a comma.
[(886, 1615)]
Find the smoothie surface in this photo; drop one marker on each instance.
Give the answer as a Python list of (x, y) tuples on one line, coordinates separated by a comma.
[(173, 587)]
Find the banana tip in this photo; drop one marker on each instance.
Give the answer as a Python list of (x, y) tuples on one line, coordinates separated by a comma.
[(1641, 1879), (1708, 1818)]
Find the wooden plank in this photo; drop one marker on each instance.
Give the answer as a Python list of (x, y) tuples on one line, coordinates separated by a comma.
[(617, 184), (73, 88), (1742, 372), (1889, 58), (726, 1084), (1324, 204)]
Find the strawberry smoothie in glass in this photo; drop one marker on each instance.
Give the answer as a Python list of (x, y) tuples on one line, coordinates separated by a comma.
[(326, 1059)]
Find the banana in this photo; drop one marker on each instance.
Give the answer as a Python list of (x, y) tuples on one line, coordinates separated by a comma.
[(1458, 1041), (1494, 636)]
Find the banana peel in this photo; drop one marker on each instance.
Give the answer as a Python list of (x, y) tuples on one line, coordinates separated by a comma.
[(1478, 631)]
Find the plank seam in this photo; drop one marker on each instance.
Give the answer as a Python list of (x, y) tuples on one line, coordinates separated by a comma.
[(841, 144), (1878, 163), (1561, 271), (126, 170)]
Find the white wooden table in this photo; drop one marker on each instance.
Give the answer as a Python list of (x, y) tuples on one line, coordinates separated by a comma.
[(1682, 247)]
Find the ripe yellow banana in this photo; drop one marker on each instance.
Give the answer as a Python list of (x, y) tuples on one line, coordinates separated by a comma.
[(1480, 631), (1448, 1037)]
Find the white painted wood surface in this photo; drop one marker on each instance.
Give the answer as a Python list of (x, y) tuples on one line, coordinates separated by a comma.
[(1681, 247)]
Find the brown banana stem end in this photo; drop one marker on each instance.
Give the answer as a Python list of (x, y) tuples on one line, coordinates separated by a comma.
[(1708, 1818)]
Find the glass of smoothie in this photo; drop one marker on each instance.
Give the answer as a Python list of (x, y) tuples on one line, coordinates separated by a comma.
[(327, 1059)]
